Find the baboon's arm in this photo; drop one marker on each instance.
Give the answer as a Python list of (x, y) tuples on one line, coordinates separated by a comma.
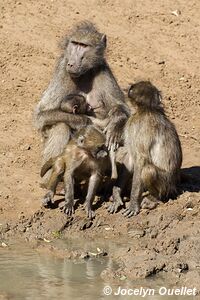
[(52, 117)]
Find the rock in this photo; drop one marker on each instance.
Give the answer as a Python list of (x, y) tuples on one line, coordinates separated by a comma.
[(136, 233)]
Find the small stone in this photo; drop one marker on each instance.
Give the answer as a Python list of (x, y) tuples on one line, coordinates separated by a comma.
[(85, 255), (154, 233), (138, 233), (176, 12), (162, 62)]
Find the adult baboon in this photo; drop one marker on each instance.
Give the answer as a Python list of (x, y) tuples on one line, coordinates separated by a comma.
[(152, 150), (85, 157), (81, 69)]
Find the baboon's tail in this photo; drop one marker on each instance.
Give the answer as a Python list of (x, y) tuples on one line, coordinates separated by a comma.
[(47, 166)]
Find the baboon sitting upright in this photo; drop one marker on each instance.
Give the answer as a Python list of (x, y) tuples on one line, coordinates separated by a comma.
[(154, 154), (81, 69)]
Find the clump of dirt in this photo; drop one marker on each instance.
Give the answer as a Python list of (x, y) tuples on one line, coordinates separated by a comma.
[(145, 41)]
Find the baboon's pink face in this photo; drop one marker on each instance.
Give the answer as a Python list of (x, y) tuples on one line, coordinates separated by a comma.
[(77, 54)]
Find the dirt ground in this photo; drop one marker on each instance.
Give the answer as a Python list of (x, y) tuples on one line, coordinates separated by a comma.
[(146, 40)]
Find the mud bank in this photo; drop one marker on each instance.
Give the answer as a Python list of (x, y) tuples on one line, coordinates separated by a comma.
[(163, 241)]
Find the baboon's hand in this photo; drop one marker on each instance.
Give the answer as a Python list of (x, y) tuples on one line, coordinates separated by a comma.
[(113, 136)]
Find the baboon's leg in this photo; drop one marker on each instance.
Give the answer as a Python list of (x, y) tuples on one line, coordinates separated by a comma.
[(136, 195), (58, 137), (69, 192), (150, 179), (112, 155), (117, 201), (57, 170), (151, 183), (92, 188)]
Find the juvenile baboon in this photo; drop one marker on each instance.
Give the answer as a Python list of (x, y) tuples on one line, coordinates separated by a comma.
[(85, 156), (81, 69), (154, 154)]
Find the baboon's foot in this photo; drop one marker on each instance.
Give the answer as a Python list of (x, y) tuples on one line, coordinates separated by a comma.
[(115, 204), (90, 213), (48, 199), (69, 208), (132, 210), (149, 203)]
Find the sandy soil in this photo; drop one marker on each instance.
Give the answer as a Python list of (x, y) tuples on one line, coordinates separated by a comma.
[(145, 41)]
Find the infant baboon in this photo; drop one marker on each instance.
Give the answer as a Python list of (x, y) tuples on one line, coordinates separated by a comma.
[(71, 104), (75, 104), (153, 149), (85, 156)]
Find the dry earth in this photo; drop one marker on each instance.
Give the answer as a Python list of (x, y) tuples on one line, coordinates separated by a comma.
[(145, 41)]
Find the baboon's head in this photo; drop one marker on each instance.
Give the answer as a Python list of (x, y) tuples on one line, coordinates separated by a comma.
[(144, 93), (84, 49), (92, 140), (76, 104)]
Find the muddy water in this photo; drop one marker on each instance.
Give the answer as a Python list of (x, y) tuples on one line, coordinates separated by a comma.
[(26, 274)]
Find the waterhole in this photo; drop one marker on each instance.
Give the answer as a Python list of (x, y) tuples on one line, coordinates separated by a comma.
[(27, 274)]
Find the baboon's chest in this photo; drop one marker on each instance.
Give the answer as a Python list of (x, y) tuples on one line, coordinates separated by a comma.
[(97, 104), (94, 97)]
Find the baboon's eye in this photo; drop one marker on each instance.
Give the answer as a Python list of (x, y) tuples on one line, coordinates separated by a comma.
[(83, 45), (79, 44)]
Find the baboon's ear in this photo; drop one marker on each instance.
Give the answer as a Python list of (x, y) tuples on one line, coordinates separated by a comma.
[(104, 40), (75, 108)]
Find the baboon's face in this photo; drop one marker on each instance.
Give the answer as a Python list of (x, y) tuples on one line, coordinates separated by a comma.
[(76, 53), (90, 138), (80, 106), (76, 104), (83, 56)]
